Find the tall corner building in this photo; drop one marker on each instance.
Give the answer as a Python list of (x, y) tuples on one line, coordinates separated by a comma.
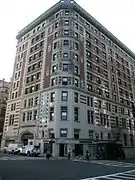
[(72, 85)]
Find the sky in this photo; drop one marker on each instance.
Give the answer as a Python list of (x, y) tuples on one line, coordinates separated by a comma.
[(116, 15)]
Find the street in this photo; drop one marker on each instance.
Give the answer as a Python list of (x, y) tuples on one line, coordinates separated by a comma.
[(38, 168)]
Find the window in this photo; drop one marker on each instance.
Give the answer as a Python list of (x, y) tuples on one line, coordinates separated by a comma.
[(35, 115), (30, 102), (66, 13), (56, 25), (90, 117), (91, 134), (55, 45), (76, 35), (66, 22), (101, 135), (76, 25), (76, 114), (51, 113), (25, 104), (11, 120), (88, 54), (64, 96), (131, 140), (54, 68), (76, 69), (66, 32), (64, 113), (76, 97), (36, 100), (24, 116), (76, 133), (52, 96), (64, 81), (87, 43), (29, 115), (65, 67), (125, 139), (103, 45), (54, 56), (89, 65), (66, 42), (87, 34), (76, 46), (53, 82), (104, 55), (76, 57), (56, 35), (13, 106), (76, 82), (63, 132), (65, 55)]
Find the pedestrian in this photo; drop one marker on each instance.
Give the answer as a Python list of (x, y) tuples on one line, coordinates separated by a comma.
[(87, 155), (69, 153)]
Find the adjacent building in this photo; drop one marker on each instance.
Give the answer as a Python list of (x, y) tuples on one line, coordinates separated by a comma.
[(4, 91), (73, 84)]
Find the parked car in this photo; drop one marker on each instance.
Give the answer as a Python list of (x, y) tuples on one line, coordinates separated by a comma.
[(31, 150), (12, 148)]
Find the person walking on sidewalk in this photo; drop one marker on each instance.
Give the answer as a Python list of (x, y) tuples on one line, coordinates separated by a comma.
[(69, 153)]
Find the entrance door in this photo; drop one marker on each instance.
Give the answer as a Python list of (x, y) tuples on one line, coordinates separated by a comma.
[(78, 149), (61, 150)]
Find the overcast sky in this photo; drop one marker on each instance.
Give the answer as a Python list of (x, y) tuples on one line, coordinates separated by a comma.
[(116, 15)]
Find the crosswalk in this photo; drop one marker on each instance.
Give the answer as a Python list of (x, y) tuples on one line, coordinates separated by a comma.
[(127, 175), (109, 163), (14, 158)]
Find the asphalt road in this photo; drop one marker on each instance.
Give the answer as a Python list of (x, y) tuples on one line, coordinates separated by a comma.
[(41, 169)]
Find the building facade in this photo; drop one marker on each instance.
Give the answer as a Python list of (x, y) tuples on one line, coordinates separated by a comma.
[(73, 84), (4, 92)]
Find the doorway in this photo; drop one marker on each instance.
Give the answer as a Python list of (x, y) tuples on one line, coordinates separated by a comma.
[(61, 150)]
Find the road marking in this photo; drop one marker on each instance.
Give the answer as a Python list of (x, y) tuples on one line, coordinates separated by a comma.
[(108, 163), (130, 175)]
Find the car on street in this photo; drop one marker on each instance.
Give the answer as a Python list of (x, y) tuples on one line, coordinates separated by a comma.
[(12, 148), (30, 150)]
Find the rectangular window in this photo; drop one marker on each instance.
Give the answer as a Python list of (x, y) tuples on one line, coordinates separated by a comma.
[(76, 114), (66, 23), (65, 67), (35, 115), (51, 113), (64, 96), (76, 97), (66, 42), (90, 117), (63, 132), (76, 82), (53, 82), (64, 81), (66, 32), (24, 116), (76, 69), (76, 46), (52, 96), (11, 120), (36, 100), (76, 57), (54, 56), (76, 133), (55, 45), (54, 68), (91, 134), (67, 13), (64, 112)]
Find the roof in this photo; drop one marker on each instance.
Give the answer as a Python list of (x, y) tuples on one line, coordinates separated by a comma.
[(71, 4)]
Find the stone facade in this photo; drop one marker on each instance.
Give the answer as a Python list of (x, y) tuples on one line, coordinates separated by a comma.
[(73, 84)]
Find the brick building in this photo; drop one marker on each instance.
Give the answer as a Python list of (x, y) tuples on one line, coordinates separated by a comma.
[(73, 83)]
